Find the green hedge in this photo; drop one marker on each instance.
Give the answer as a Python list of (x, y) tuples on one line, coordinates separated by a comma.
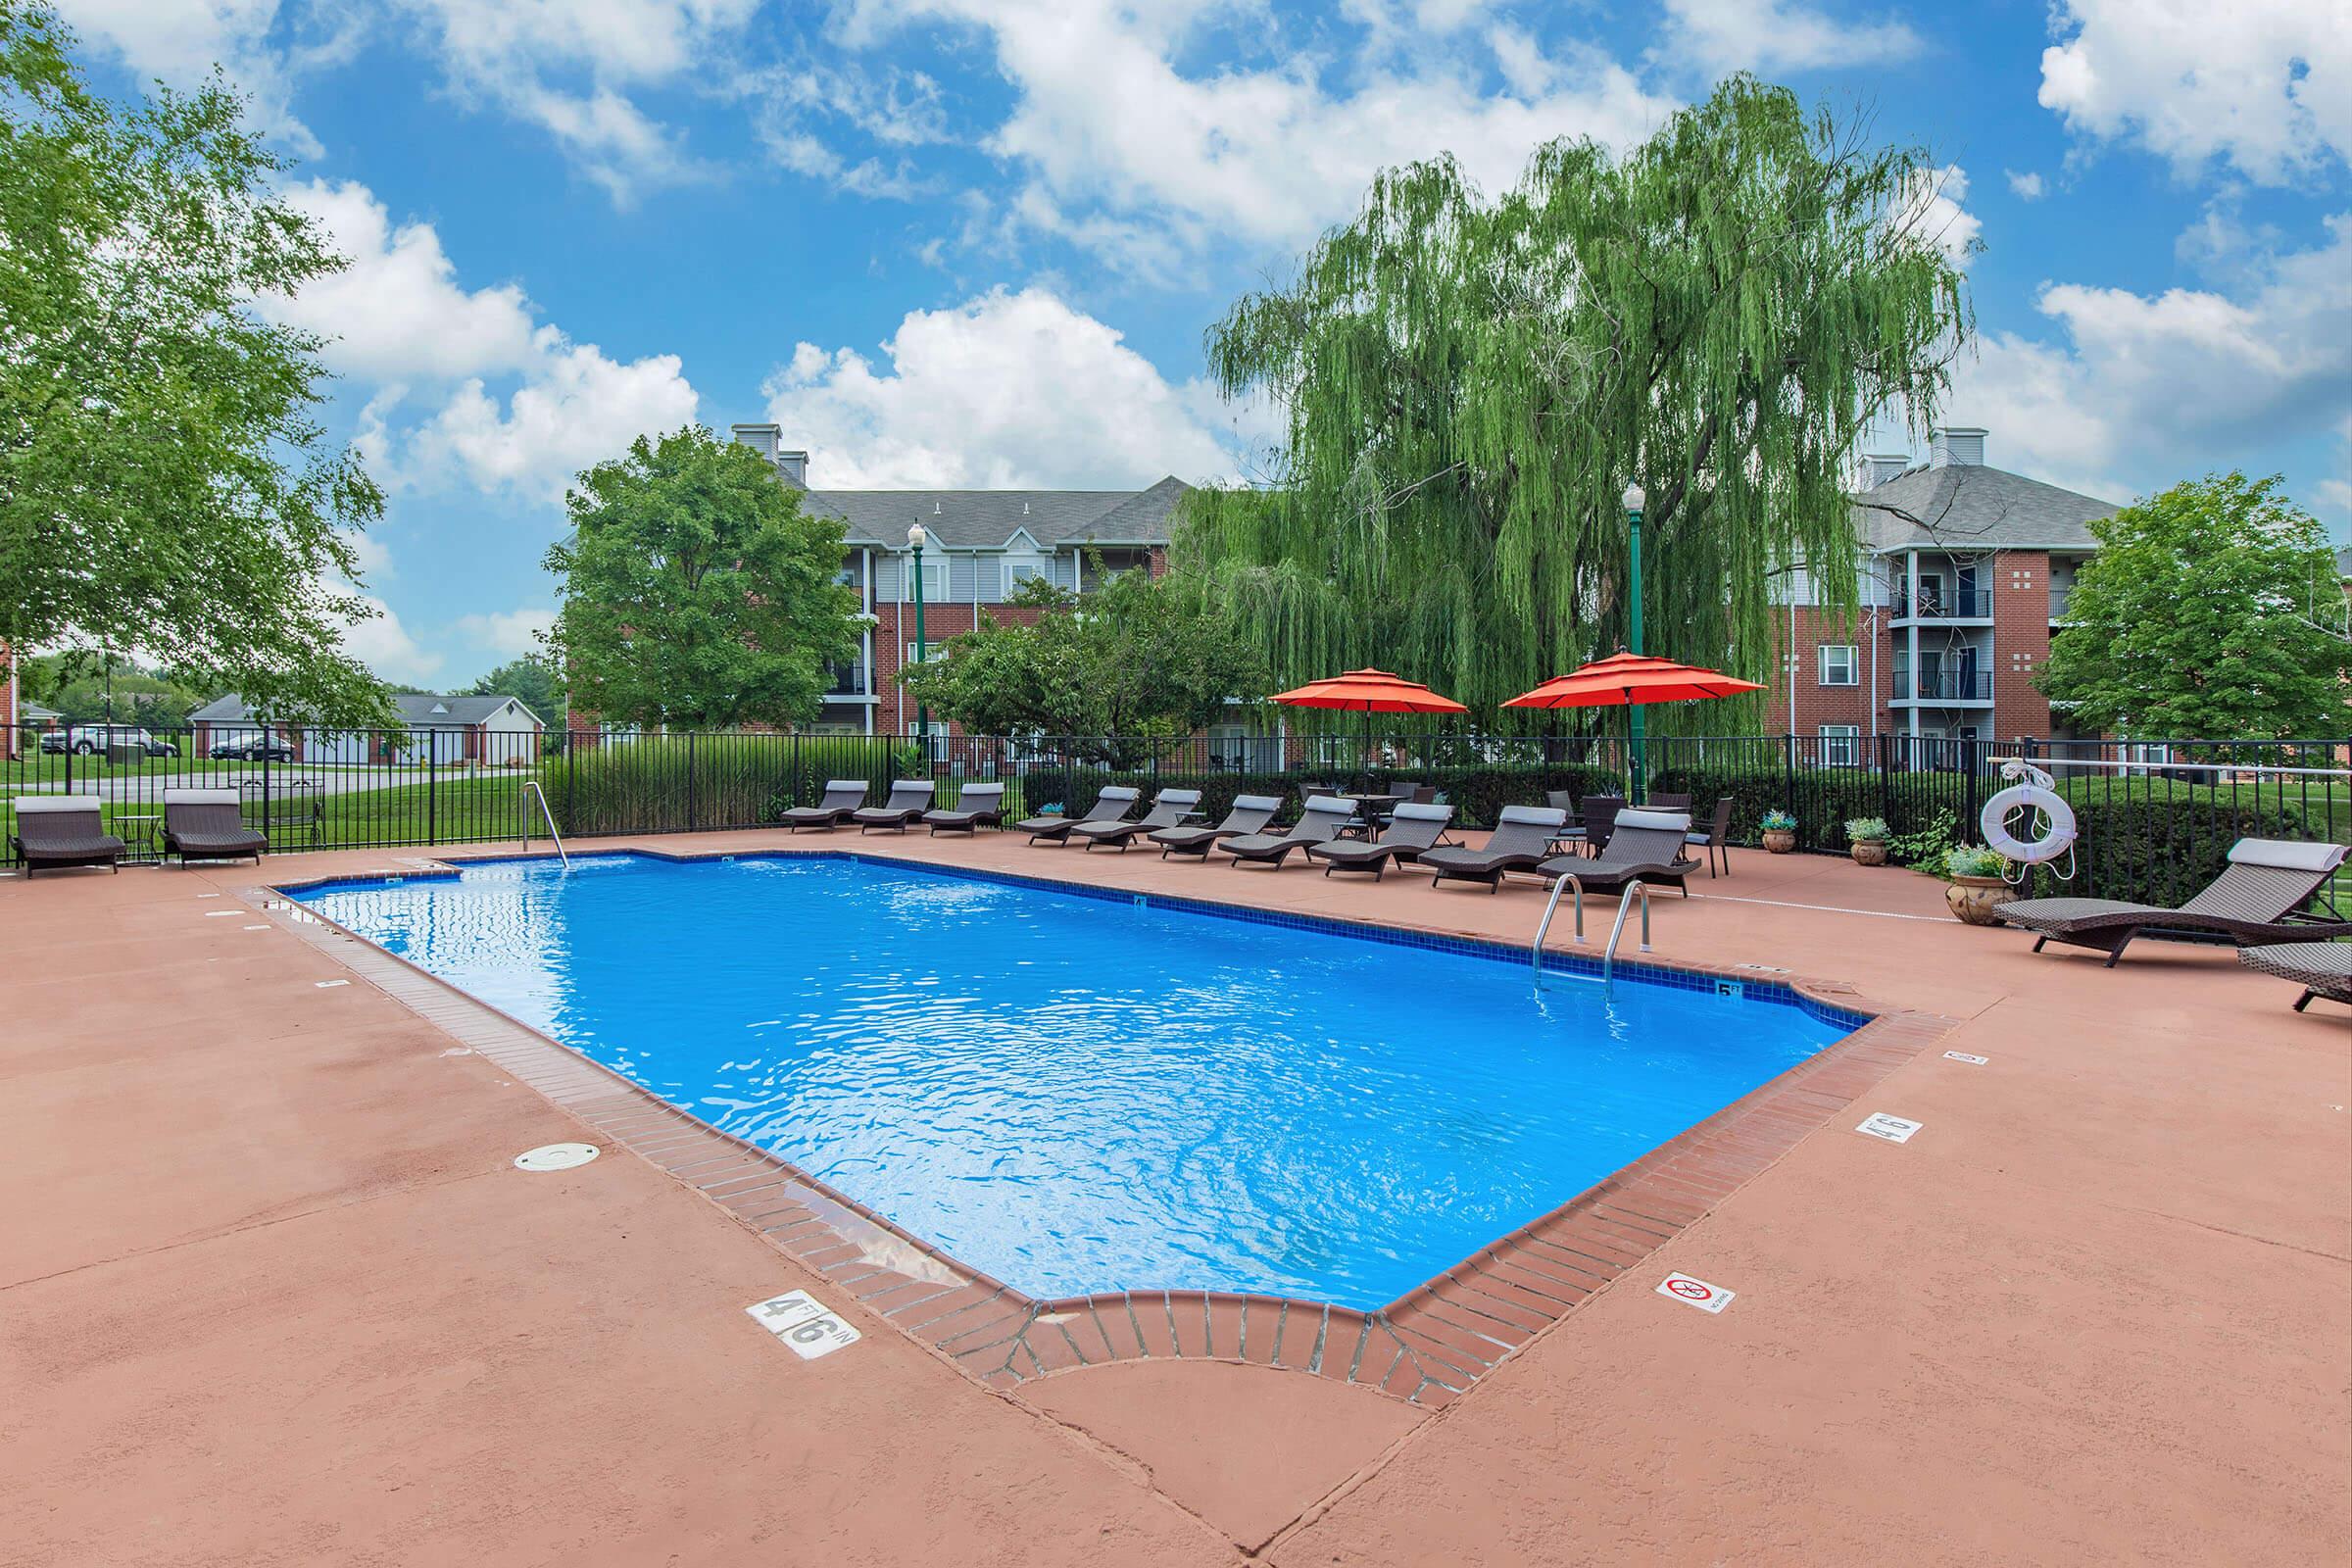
[(2164, 849)]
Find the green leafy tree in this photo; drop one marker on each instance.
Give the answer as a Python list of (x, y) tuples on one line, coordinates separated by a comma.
[(696, 591), (2213, 611), (1469, 384), (79, 687), (164, 484), (531, 680), (1120, 676)]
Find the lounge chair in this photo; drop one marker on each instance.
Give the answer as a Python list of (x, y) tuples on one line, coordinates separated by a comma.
[(1413, 829), (977, 805), (1325, 819), (842, 797), (2321, 968), (1521, 837), (910, 799), (209, 825), (1645, 846), (2266, 881), (1715, 838), (57, 832), (1249, 814), (1114, 802), (1169, 809)]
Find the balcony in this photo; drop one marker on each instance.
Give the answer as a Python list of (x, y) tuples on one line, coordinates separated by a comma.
[(849, 682), (2058, 603), (1938, 605), (1940, 687)]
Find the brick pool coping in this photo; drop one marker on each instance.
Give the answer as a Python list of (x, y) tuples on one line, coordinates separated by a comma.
[(1426, 1348)]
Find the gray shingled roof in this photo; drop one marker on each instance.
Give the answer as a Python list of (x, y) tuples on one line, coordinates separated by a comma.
[(417, 709), (1971, 506), (986, 520)]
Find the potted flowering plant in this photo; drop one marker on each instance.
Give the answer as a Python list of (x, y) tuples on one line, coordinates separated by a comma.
[(1978, 885), (1780, 832), (1869, 837)]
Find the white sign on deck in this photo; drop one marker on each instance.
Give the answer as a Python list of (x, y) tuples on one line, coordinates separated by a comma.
[(1894, 1129), (1962, 1055), (1697, 1293), (804, 1323)]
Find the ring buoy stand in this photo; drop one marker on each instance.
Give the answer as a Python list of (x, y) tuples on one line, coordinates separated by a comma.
[(2032, 792)]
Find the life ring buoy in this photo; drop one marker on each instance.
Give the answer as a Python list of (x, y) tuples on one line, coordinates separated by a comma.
[(2058, 833)]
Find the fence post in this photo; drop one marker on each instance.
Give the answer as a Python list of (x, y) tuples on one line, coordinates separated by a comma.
[(1788, 775), (794, 792), (690, 781), (265, 781), (432, 787), (1886, 779), (572, 745)]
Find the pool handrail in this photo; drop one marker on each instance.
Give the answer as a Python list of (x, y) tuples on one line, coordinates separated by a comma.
[(1625, 902), (1566, 879), (531, 786)]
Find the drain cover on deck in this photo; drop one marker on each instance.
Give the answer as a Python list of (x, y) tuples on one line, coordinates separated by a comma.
[(555, 1156)]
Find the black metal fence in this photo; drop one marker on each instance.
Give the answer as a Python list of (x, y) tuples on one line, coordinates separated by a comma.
[(2157, 816)]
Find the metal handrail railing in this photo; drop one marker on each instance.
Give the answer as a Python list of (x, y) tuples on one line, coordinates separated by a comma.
[(1625, 902), (1566, 879), (531, 787)]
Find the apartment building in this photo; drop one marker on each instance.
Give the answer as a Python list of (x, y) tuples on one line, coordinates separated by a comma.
[(1965, 573), (979, 547)]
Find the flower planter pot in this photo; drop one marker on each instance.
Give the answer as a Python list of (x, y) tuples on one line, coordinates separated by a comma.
[(1870, 852), (1975, 899), (1779, 842)]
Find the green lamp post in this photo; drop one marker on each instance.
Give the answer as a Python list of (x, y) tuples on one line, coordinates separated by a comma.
[(916, 538), (1633, 497)]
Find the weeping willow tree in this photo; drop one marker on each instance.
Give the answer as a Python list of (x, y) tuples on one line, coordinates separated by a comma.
[(1470, 384)]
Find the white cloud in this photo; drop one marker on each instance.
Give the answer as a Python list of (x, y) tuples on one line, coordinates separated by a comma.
[(575, 408), (1930, 213), (508, 633), (180, 40), (1768, 36), (1004, 391), (397, 311), (2027, 186), (2265, 84), (382, 643), (570, 65), (1126, 151), (2148, 388)]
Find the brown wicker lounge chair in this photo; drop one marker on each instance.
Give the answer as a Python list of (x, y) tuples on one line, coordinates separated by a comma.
[(1325, 819), (209, 825), (977, 805), (910, 799), (842, 797), (1518, 843), (2321, 968), (1249, 814), (2254, 900), (1645, 846), (57, 832), (1413, 829), (1169, 809), (1114, 802)]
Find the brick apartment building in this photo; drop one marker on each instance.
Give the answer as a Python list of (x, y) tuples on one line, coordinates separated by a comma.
[(1965, 573), (981, 546)]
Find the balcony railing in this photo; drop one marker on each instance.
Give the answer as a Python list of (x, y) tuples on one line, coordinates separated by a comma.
[(849, 680), (1938, 686), (2059, 597), (1941, 604)]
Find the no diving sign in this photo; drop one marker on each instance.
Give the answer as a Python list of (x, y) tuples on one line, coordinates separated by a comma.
[(1697, 1293), (804, 1324)]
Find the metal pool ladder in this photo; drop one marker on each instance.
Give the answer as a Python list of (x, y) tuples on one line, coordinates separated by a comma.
[(1535, 951), (531, 787), (1625, 902)]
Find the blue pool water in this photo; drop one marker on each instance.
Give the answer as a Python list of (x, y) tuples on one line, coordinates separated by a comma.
[(1077, 1094)]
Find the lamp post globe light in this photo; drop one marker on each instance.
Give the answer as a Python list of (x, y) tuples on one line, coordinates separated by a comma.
[(916, 538), (1633, 497)]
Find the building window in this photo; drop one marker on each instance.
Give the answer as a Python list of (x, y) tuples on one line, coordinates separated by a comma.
[(1840, 745), (1020, 569), (935, 576), (1839, 664)]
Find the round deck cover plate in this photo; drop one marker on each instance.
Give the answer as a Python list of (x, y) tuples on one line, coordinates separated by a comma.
[(555, 1156)]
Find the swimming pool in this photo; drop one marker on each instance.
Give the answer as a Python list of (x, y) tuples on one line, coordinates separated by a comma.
[(1078, 1094)]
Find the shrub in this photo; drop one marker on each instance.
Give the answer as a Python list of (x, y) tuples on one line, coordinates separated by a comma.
[(1866, 829), (1777, 821), (2164, 850), (1972, 859), (1927, 848)]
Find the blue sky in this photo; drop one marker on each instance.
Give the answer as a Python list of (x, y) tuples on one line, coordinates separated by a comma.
[(966, 242)]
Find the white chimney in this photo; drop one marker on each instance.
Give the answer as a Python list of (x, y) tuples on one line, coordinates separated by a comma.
[(794, 465), (1956, 446), (760, 438), (1880, 467)]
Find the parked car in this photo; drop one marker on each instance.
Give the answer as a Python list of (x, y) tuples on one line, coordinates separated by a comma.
[(251, 749), (89, 739)]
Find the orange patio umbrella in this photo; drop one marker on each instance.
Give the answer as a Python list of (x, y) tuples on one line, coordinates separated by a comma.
[(1628, 681), (1374, 691)]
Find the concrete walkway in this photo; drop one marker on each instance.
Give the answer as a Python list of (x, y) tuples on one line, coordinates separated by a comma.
[(271, 1291)]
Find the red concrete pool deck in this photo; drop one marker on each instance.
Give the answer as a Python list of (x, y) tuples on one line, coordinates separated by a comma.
[(272, 1292)]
